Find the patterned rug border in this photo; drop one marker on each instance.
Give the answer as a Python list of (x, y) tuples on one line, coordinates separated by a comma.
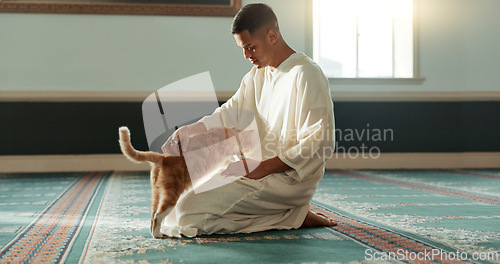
[(84, 252), (24, 230), (48, 237), (91, 215), (382, 238)]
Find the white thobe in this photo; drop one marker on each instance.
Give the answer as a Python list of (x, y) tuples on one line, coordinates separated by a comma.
[(294, 113)]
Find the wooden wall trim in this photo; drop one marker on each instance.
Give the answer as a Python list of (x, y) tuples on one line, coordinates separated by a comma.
[(415, 96), (465, 160), (117, 162), (120, 96)]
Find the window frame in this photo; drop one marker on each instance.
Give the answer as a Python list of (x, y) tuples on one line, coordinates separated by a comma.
[(313, 44)]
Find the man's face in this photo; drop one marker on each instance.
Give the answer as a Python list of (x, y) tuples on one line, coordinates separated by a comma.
[(256, 48)]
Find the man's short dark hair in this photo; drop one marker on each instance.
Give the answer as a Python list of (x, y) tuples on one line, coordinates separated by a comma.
[(254, 17)]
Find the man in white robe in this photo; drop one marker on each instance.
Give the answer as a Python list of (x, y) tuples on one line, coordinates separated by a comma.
[(290, 99)]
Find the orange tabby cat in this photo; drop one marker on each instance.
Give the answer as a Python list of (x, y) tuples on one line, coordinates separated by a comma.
[(170, 175), (169, 179)]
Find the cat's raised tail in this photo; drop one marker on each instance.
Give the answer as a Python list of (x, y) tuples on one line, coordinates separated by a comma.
[(133, 154)]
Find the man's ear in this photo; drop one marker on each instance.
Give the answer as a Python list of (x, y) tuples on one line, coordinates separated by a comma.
[(272, 35)]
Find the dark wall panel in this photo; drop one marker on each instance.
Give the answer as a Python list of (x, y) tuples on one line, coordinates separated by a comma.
[(424, 126), (28, 128), (68, 128)]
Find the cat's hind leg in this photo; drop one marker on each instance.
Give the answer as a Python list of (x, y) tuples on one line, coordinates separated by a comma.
[(165, 207), (156, 222), (155, 195)]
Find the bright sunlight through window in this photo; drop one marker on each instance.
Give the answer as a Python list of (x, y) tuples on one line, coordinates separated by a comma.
[(364, 38)]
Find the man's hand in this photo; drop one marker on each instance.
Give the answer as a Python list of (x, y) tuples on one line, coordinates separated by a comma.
[(181, 138), (237, 168), (257, 169)]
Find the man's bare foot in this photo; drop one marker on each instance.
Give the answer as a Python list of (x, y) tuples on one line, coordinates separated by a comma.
[(316, 220)]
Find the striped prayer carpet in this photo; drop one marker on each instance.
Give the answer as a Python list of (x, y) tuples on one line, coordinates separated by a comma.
[(411, 216)]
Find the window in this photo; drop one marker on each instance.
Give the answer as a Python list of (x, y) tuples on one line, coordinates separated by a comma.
[(365, 38)]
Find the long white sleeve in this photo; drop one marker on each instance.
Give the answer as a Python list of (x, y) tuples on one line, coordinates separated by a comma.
[(315, 137)]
